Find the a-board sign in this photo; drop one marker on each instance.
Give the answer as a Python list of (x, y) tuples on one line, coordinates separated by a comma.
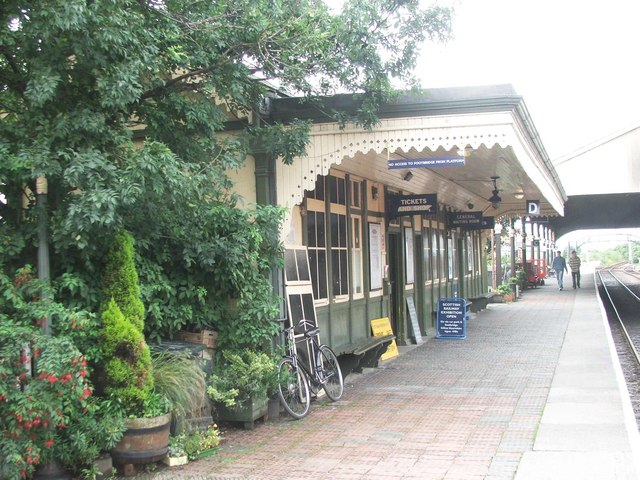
[(452, 318), (413, 320), (381, 327)]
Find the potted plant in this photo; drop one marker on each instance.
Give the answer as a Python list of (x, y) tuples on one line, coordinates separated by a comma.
[(180, 378), (176, 455), (199, 444), (128, 375), (240, 383)]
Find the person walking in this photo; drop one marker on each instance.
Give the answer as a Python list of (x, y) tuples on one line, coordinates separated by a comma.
[(574, 265), (559, 265)]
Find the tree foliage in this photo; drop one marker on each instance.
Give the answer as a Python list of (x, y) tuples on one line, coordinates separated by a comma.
[(126, 106)]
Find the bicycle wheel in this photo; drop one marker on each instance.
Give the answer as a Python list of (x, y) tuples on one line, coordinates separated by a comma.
[(293, 388), (333, 384)]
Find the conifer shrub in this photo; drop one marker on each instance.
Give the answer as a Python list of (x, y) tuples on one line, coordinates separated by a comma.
[(128, 375), (120, 280)]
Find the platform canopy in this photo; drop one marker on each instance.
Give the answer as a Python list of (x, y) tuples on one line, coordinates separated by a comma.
[(450, 141)]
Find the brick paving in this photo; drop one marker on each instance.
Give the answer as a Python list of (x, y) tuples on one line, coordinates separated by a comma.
[(447, 409)]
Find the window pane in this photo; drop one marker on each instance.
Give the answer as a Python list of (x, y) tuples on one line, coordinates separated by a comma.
[(342, 191), (303, 267), (335, 230), (322, 275), (311, 229), (320, 239), (333, 189), (291, 272)]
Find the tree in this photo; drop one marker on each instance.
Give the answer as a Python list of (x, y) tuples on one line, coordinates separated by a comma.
[(125, 107)]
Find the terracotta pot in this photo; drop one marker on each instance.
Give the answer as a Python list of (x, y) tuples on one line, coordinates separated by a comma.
[(145, 440)]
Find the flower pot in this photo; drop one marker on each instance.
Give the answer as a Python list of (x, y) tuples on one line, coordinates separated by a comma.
[(273, 407), (51, 471), (175, 461), (246, 412), (145, 440), (104, 465)]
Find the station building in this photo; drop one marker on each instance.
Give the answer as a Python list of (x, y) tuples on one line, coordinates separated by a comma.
[(394, 218)]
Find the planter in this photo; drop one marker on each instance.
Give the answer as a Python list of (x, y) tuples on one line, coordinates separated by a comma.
[(51, 471), (145, 440), (104, 465), (246, 412), (175, 461), (273, 408)]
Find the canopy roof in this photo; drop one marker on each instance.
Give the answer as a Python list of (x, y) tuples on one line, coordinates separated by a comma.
[(490, 126)]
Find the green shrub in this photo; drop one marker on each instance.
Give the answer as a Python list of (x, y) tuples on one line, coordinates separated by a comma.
[(120, 280), (242, 375), (128, 375)]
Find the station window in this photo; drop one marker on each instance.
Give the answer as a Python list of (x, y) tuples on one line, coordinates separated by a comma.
[(317, 251), (340, 270), (332, 254), (356, 256)]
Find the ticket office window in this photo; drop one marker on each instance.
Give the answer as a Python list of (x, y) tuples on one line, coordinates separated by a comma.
[(327, 238)]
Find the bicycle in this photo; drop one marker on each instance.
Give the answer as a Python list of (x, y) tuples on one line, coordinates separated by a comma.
[(298, 377)]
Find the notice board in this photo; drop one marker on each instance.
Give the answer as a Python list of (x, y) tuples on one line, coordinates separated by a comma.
[(452, 318)]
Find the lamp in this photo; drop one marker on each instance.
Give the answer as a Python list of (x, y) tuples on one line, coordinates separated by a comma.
[(470, 206), (408, 176), (495, 199), (374, 193), (519, 195)]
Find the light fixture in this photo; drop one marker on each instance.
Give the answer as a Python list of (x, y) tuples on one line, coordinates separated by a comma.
[(519, 195), (495, 199), (374, 193), (470, 206), (408, 176)]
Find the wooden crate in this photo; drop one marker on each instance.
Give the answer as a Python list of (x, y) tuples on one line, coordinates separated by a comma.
[(206, 337)]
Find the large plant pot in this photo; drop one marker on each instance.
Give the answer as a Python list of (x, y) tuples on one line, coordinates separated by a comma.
[(246, 412), (51, 471), (145, 440)]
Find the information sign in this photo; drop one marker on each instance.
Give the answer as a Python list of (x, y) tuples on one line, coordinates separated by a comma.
[(452, 318), (413, 317), (381, 327)]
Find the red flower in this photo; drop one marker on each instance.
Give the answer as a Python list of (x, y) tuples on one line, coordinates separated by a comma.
[(49, 443), (53, 378), (83, 373)]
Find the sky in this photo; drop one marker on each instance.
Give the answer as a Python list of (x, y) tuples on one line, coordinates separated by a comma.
[(574, 63)]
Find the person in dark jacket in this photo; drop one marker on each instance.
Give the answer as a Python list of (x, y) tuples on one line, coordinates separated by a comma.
[(559, 265)]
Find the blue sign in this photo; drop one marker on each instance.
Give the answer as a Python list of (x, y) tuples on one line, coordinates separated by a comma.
[(469, 220), (452, 318), (399, 205), (456, 161), (488, 222)]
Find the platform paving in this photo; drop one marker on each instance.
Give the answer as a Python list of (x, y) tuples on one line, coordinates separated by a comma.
[(533, 392)]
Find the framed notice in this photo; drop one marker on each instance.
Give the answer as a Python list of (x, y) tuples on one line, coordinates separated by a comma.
[(375, 255), (408, 255)]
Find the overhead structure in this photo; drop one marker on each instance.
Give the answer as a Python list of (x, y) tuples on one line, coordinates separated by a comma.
[(456, 142)]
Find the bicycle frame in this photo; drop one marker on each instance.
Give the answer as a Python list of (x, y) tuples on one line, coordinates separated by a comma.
[(311, 362)]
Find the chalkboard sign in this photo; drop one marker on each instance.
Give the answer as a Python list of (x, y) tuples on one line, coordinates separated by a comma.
[(413, 316), (452, 318)]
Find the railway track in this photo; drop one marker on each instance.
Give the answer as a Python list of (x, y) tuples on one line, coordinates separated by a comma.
[(619, 289)]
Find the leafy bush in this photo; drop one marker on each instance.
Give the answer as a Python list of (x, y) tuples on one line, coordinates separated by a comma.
[(178, 377), (242, 375), (128, 369), (128, 376)]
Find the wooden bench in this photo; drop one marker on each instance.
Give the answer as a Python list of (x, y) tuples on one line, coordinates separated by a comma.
[(365, 354), (480, 302)]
